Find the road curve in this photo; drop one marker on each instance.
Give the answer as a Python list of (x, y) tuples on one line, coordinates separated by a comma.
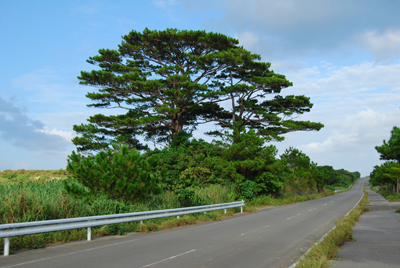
[(272, 237)]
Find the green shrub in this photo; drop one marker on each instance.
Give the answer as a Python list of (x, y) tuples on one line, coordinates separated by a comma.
[(120, 175), (247, 189), (185, 197)]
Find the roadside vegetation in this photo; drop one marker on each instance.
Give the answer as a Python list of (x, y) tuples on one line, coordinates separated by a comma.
[(25, 198), (165, 84), (321, 254), (392, 197), (386, 175)]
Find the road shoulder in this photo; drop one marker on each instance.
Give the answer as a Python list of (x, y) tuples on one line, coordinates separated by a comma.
[(376, 237)]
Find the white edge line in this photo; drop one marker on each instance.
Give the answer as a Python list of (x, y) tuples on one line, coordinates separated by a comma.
[(151, 264), (322, 238)]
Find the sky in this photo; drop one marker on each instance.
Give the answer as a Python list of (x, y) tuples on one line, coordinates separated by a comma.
[(343, 54)]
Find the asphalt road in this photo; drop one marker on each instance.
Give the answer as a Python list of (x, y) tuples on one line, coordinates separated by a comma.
[(272, 237)]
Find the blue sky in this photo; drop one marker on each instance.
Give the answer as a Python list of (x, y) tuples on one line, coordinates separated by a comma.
[(343, 54)]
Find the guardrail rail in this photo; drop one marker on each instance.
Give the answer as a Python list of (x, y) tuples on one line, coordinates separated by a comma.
[(37, 227), (336, 191)]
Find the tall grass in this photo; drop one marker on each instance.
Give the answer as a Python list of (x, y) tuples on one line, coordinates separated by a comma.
[(26, 199), (33, 174), (45, 199), (391, 196)]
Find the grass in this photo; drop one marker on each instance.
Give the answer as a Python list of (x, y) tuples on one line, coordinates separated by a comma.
[(321, 254), (32, 174), (391, 196), (24, 198)]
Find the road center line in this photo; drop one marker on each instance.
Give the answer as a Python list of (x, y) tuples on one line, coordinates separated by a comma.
[(325, 204), (293, 216), (151, 264), (312, 209), (255, 230), (72, 253)]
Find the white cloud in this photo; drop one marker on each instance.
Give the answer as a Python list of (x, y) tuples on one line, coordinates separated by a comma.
[(291, 28), (349, 141), (358, 105), (247, 39), (367, 127), (335, 81), (285, 66), (383, 45), (67, 135)]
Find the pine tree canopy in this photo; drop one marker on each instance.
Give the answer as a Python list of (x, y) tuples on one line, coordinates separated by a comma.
[(391, 150), (173, 80)]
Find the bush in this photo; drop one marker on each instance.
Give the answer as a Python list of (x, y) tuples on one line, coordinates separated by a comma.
[(121, 175)]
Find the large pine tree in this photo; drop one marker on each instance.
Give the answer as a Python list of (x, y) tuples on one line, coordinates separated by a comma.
[(170, 81)]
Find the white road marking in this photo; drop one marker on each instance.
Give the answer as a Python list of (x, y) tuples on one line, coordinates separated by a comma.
[(325, 204), (72, 253), (293, 216), (255, 230), (312, 209), (151, 264)]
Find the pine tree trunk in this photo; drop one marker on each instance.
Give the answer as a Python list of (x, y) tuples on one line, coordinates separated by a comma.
[(177, 124)]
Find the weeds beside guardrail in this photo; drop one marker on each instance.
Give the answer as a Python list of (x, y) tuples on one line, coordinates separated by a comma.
[(37, 227)]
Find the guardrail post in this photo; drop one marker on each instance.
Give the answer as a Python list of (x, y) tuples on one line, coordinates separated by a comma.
[(177, 217), (89, 234), (225, 211), (241, 208), (6, 246), (141, 222)]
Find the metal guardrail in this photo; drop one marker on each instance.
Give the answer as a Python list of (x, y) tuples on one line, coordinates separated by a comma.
[(336, 191), (37, 227)]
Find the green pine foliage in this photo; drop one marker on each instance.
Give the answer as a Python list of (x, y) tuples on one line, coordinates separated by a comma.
[(172, 80), (254, 162), (388, 172), (391, 150), (103, 131), (122, 174)]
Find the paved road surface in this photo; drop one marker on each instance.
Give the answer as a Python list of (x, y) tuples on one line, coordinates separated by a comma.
[(376, 237), (272, 237)]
